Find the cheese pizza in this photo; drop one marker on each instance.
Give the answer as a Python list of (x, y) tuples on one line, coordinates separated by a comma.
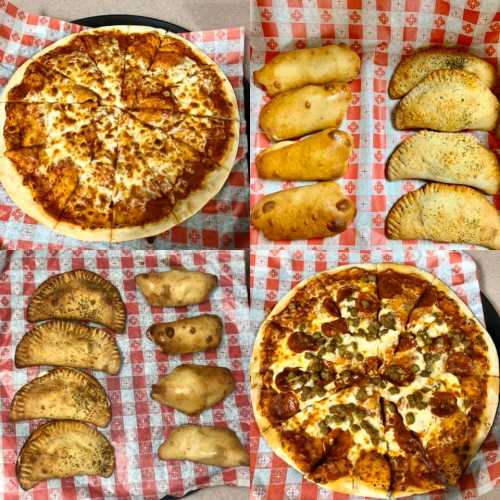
[(117, 133), (376, 380)]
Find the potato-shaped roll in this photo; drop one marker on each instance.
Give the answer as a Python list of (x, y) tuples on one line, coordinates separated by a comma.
[(206, 445), (195, 334), (315, 211), (290, 70), (305, 110), (176, 288), (319, 157), (193, 388)]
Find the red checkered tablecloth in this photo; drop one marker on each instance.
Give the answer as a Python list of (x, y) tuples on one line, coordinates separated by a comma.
[(273, 272), (138, 425), (222, 223), (381, 32)]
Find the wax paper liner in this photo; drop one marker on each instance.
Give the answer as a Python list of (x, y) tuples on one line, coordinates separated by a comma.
[(381, 32), (273, 272), (138, 425), (222, 223)]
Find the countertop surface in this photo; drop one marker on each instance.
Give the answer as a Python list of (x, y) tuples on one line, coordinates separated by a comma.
[(204, 14)]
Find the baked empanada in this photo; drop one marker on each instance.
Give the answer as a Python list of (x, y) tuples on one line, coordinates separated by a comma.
[(64, 449), (63, 393), (176, 288), (81, 295), (453, 158), (448, 100), (69, 343), (413, 69), (441, 212)]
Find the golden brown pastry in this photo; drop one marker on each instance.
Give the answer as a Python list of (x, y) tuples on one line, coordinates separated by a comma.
[(195, 334), (413, 69), (193, 388), (206, 445), (80, 295), (296, 68), (69, 343), (440, 212), (448, 100), (319, 157), (63, 393), (64, 449), (453, 158), (176, 288), (315, 211), (305, 110)]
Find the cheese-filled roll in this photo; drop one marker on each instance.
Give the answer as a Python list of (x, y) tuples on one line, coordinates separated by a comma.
[(290, 70), (305, 110), (319, 157), (315, 211)]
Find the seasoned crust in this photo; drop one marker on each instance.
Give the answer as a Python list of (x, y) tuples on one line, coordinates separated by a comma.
[(448, 100), (75, 449), (454, 158), (413, 69), (69, 343), (78, 295), (63, 393), (447, 213)]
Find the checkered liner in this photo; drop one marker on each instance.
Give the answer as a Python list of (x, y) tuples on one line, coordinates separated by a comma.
[(139, 425), (381, 31), (273, 272), (222, 223)]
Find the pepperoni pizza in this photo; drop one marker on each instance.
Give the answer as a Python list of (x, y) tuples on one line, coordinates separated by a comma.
[(374, 379), (117, 133)]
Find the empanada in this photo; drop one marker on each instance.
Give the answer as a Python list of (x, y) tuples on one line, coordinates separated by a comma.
[(69, 343), (441, 212), (453, 158), (63, 393), (315, 211), (296, 68), (448, 100), (308, 109), (64, 449), (176, 288), (413, 69), (81, 295)]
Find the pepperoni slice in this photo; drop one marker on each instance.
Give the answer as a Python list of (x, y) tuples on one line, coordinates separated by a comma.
[(443, 404), (330, 305), (388, 285), (283, 405), (344, 292), (367, 303), (399, 374), (406, 342), (282, 380), (300, 342), (428, 298), (342, 442), (333, 328), (459, 364)]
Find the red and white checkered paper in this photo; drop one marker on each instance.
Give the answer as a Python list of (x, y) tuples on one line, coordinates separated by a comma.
[(222, 223), (381, 32), (138, 425), (273, 272)]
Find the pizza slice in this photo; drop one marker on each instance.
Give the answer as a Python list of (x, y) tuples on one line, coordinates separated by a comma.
[(206, 93), (70, 58), (89, 212), (214, 138), (412, 472), (449, 336), (139, 48), (104, 46), (338, 443), (36, 83)]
